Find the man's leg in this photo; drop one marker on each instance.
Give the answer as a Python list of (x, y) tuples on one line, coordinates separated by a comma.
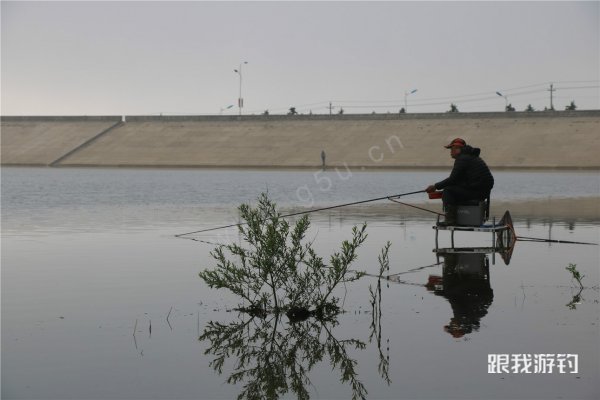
[(455, 195), (452, 197)]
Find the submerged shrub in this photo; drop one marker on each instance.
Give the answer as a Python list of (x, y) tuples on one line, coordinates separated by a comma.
[(275, 270)]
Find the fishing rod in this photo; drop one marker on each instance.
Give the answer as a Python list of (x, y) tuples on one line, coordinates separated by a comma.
[(306, 212), (392, 276)]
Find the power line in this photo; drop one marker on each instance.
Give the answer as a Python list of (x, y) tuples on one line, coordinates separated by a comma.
[(436, 101), (578, 87), (595, 81), (542, 84)]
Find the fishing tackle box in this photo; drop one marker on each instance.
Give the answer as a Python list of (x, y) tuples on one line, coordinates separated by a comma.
[(472, 214)]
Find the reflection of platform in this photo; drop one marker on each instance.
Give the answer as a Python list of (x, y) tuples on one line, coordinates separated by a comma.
[(483, 228), (504, 252), (465, 250)]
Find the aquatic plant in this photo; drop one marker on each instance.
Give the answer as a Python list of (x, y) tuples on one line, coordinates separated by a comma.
[(572, 268), (275, 270)]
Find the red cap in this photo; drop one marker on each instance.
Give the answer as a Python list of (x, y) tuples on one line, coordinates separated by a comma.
[(456, 142)]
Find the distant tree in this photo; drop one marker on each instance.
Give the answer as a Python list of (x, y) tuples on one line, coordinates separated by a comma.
[(453, 108), (402, 110), (266, 112), (509, 108), (529, 108), (571, 107), (341, 111), (292, 111)]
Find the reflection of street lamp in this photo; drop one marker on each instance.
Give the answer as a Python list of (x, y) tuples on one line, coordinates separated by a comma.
[(405, 99), (505, 99), (240, 99)]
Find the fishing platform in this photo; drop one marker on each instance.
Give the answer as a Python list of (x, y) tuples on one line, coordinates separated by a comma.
[(471, 217)]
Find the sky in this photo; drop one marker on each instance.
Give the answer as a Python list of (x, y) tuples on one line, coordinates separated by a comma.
[(178, 58)]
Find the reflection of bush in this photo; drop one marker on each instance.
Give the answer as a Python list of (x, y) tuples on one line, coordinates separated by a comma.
[(275, 271), (272, 360), (384, 359)]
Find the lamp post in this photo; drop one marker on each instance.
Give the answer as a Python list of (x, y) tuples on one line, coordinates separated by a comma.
[(225, 108), (240, 99), (406, 100), (505, 100)]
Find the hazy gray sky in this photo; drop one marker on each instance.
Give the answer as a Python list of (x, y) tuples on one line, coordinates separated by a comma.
[(95, 58)]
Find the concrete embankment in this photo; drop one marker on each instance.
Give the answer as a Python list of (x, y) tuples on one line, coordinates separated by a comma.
[(507, 140)]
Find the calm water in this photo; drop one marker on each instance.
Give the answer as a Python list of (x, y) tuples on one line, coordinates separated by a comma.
[(88, 252)]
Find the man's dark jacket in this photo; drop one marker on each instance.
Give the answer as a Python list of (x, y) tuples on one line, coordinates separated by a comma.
[(469, 172)]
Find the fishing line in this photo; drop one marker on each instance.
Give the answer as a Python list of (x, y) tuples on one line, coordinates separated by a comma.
[(542, 240), (413, 206), (304, 212), (414, 269)]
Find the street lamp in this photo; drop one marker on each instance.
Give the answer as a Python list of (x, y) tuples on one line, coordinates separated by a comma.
[(240, 99), (226, 108), (405, 99), (505, 99)]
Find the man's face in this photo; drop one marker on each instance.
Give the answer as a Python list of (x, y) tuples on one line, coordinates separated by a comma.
[(454, 151)]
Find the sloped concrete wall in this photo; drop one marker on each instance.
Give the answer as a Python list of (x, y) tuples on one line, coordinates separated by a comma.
[(510, 140), (41, 141)]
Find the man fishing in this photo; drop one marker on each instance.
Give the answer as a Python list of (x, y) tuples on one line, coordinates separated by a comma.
[(470, 179)]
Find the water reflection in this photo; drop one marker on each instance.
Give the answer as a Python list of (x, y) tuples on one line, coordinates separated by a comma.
[(272, 358), (575, 301), (376, 314), (465, 283)]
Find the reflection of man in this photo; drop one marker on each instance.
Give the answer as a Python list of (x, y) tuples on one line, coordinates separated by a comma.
[(470, 179), (465, 284)]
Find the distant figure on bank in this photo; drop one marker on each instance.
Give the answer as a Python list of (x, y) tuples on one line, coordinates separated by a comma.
[(470, 179), (323, 159)]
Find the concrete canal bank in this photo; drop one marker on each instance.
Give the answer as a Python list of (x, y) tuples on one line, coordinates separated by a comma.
[(508, 140)]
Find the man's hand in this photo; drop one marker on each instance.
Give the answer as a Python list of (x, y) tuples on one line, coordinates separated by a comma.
[(430, 188)]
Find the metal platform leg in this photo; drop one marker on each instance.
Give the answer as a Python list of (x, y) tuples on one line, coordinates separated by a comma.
[(452, 237), (437, 231), (494, 234)]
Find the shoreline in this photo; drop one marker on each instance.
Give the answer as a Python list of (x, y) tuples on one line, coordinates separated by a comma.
[(330, 168)]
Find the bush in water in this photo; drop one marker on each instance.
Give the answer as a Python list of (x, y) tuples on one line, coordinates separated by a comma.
[(275, 271)]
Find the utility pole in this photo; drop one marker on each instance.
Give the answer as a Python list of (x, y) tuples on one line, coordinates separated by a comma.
[(551, 90), (330, 108)]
